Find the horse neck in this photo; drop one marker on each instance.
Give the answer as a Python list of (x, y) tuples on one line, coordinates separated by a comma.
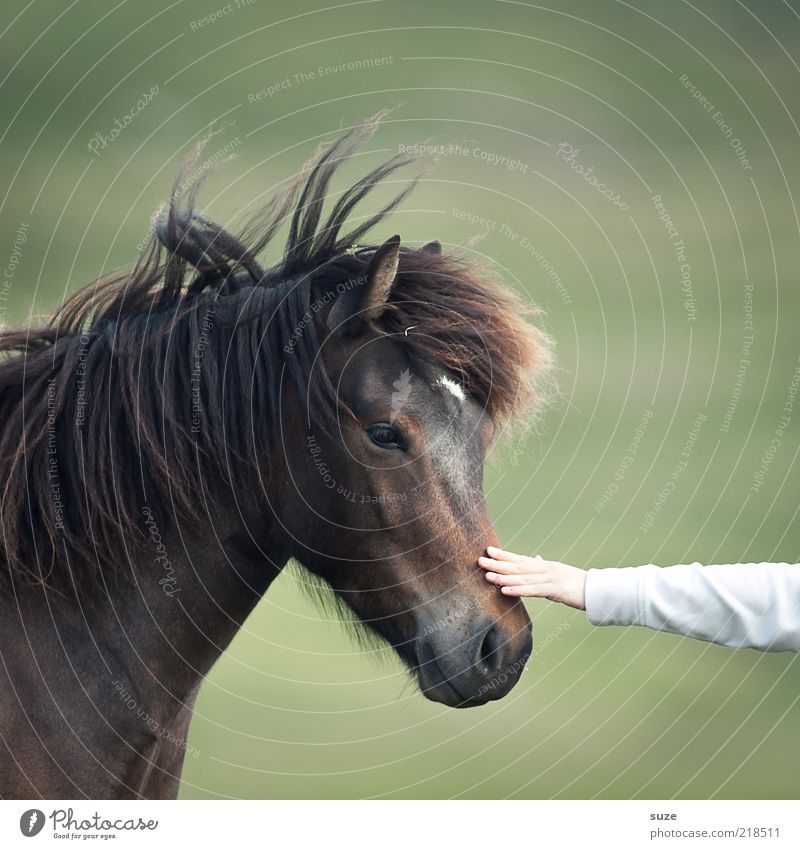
[(197, 580), (192, 593), (117, 670)]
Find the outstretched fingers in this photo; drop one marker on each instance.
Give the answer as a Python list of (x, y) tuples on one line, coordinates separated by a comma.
[(517, 575), (518, 566), (514, 579), (506, 556), (545, 589)]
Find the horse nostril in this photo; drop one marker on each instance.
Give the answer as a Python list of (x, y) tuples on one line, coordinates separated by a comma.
[(490, 652)]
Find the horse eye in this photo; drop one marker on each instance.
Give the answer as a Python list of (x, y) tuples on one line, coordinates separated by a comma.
[(384, 436)]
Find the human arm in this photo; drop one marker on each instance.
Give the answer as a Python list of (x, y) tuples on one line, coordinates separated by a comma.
[(742, 605)]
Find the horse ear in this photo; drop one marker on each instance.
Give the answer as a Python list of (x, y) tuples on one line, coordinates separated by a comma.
[(434, 248), (368, 300)]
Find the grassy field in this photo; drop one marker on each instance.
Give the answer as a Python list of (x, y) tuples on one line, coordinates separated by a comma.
[(678, 319)]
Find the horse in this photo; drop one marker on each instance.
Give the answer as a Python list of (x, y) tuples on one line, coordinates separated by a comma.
[(179, 431)]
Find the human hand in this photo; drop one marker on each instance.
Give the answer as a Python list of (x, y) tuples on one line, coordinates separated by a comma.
[(518, 575)]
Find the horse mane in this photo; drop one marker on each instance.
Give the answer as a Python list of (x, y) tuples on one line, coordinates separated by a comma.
[(150, 386)]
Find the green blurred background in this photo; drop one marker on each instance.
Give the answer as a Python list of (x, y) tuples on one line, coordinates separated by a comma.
[(295, 708)]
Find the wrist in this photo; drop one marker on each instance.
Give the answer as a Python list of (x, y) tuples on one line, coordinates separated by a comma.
[(580, 588)]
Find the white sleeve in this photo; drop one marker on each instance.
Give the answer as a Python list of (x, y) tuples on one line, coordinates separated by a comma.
[(743, 605)]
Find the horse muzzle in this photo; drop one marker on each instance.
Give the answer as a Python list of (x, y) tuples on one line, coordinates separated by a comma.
[(473, 664)]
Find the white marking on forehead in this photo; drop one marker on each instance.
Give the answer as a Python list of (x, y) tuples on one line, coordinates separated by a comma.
[(451, 386)]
